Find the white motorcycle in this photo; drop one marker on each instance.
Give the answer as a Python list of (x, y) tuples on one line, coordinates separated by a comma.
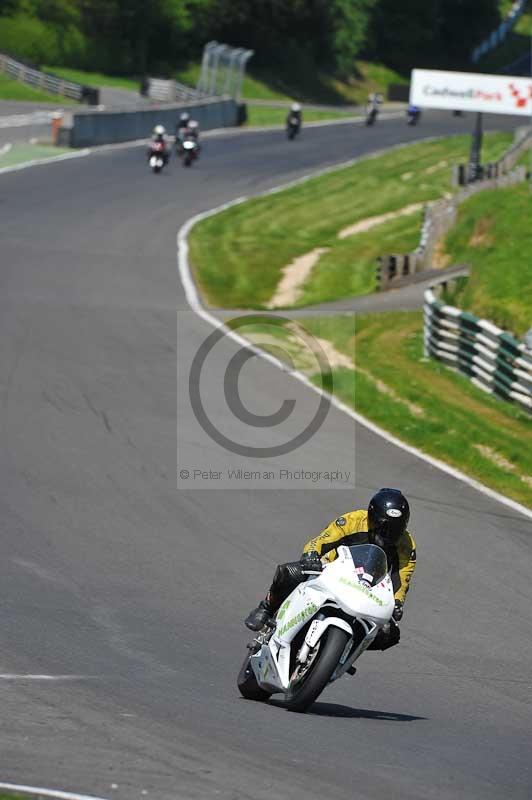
[(321, 629), (189, 152), (157, 159)]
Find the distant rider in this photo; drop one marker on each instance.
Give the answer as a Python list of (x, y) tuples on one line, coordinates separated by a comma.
[(192, 133), (181, 127), (413, 113), (192, 130), (159, 137), (375, 100), (384, 524), (294, 116)]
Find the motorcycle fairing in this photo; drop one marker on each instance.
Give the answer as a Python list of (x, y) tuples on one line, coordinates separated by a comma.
[(338, 586)]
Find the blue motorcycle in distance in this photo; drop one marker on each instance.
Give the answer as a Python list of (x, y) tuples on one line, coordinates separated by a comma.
[(413, 114)]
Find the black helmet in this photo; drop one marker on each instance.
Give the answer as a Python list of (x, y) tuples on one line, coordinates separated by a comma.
[(388, 515)]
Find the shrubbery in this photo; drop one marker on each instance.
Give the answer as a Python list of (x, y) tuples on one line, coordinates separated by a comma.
[(30, 39), (36, 42), (136, 36)]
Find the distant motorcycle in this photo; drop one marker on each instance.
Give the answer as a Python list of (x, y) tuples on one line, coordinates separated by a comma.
[(293, 126), (157, 158), (371, 115), (189, 152), (413, 114)]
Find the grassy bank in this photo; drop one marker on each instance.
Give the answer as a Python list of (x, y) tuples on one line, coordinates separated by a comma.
[(429, 406), (22, 153), (493, 236), (238, 255), (15, 90), (265, 115), (94, 78), (379, 370), (309, 85), (348, 269)]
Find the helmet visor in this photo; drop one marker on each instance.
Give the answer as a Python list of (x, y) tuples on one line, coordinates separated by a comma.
[(387, 531)]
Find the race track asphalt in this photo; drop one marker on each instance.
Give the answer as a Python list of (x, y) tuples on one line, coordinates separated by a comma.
[(130, 592)]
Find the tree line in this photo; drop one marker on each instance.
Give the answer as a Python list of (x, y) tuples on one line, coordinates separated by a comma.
[(135, 37)]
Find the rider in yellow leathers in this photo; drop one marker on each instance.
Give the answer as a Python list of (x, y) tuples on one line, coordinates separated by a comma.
[(384, 524)]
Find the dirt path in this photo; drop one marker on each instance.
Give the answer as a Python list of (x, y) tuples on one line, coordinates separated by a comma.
[(294, 275), (371, 222), (290, 287)]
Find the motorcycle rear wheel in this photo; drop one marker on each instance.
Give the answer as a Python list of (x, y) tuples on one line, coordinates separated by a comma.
[(247, 683), (316, 679)]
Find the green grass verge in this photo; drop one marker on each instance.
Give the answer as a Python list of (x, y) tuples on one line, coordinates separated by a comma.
[(420, 401), (94, 78), (265, 115), (369, 77), (238, 255), (4, 796), (349, 267), (15, 90), (21, 153), (308, 85), (491, 236)]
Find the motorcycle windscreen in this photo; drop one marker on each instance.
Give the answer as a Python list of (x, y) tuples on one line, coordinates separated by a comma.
[(370, 562)]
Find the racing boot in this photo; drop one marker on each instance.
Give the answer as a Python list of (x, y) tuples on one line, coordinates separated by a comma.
[(259, 616)]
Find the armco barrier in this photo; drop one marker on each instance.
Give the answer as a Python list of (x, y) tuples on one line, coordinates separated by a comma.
[(522, 142), (492, 359), (169, 91), (48, 83), (440, 216), (109, 127), (498, 36)]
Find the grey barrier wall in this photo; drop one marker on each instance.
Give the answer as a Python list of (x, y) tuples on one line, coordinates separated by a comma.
[(108, 127)]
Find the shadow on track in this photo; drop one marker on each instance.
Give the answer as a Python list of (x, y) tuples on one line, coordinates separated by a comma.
[(336, 710)]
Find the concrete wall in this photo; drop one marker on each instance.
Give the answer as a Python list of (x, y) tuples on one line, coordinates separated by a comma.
[(107, 127)]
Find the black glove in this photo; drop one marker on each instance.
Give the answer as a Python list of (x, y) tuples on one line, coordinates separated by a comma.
[(311, 562), (398, 611)]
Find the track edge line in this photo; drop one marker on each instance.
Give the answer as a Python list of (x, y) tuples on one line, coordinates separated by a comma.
[(39, 792)]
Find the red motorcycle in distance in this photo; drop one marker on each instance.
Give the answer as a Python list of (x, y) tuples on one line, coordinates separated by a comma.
[(158, 156)]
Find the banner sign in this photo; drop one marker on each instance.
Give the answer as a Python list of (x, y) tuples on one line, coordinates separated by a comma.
[(470, 91)]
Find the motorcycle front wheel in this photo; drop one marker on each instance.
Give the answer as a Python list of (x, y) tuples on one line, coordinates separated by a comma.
[(305, 691), (247, 683)]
